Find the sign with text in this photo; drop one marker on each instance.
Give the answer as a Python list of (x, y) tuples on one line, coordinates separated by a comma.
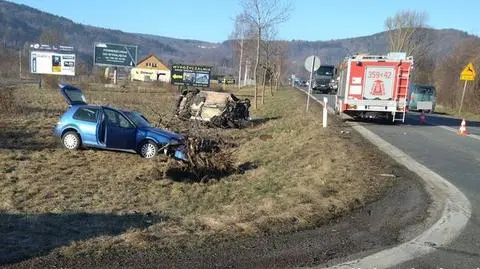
[(191, 75), (118, 55), (52, 63)]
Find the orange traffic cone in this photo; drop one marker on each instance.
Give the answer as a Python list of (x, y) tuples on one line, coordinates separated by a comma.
[(423, 119), (463, 128)]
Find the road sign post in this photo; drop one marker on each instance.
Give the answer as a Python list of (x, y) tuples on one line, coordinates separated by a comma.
[(468, 74), (312, 63)]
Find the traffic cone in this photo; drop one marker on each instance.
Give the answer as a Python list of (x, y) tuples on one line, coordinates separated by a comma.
[(463, 128), (423, 119)]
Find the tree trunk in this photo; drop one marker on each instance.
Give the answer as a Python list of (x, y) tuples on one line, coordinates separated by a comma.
[(279, 74), (256, 66), (276, 83), (271, 84), (240, 64), (264, 82)]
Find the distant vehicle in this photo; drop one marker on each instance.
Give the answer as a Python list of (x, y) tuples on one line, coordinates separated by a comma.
[(111, 128), (325, 79), (375, 86), (422, 98)]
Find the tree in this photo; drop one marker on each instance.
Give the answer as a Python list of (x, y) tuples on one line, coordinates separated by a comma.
[(402, 30), (269, 36), (447, 76), (263, 14), (279, 52), (238, 36)]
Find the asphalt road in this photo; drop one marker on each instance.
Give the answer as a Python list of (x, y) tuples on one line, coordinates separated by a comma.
[(456, 158)]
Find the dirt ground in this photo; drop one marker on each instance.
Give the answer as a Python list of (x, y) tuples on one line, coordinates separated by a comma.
[(368, 229), (94, 208)]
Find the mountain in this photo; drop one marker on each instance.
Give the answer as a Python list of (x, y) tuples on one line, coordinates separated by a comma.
[(23, 25)]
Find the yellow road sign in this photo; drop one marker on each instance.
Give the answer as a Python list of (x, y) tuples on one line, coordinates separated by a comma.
[(468, 73)]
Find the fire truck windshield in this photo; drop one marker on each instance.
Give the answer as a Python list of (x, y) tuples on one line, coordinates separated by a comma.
[(325, 71)]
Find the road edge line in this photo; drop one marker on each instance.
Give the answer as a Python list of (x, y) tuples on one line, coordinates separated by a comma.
[(455, 216), (456, 131)]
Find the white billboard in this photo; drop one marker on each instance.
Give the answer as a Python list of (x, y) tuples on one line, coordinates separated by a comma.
[(52, 63)]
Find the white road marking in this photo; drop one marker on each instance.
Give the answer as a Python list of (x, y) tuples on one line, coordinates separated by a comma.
[(455, 131)]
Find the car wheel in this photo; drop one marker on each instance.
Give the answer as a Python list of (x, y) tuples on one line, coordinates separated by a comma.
[(148, 150), (71, 140)]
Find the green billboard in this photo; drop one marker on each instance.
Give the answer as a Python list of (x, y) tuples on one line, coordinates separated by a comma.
[(191, 75), (106, 54)]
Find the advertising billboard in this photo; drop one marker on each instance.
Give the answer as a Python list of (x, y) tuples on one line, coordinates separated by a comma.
[(52, 63), (191, 75), (118, 55)]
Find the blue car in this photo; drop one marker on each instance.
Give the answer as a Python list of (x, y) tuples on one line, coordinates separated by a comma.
[(110, 128)]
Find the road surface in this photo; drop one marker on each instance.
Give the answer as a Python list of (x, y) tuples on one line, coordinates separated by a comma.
[(456, 158)]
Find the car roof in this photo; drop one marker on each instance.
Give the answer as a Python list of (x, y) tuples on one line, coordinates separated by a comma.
[(99, 106)]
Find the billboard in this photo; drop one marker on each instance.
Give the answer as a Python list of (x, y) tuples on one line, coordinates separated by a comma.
[(52, 60), (105, 54), (191, 75)]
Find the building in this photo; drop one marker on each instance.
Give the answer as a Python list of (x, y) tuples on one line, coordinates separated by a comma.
[(150, 68)]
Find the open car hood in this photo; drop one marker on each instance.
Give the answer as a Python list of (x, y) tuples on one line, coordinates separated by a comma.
[(72, 95)]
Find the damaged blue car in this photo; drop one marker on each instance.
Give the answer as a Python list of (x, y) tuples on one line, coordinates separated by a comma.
[(84, 125)]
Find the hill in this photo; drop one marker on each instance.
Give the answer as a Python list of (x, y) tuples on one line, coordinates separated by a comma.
[(23, 25)]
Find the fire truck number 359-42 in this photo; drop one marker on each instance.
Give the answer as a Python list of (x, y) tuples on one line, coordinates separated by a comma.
[(377, 74)]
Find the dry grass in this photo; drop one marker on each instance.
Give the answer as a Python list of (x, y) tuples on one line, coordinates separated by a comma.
[(297, 175), (454, 112)]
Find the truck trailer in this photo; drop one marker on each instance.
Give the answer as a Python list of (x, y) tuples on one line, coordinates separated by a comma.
[(375, 86)]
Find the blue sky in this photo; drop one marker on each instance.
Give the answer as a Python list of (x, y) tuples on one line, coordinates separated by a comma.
[(212, 20)]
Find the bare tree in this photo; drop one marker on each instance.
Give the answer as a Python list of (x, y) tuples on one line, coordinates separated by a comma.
[(262, 14), (402, 29), (238, 36), (279, 53), (267, 45)]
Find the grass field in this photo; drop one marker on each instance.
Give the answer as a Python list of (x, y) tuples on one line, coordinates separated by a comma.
[(297, 176), (454, 113)]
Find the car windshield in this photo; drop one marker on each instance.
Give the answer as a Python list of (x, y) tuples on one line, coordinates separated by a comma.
[(425, 90), (325, 71), (138, 119)]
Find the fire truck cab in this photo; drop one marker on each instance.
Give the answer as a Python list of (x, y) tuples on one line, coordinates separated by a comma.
[(375, 86)]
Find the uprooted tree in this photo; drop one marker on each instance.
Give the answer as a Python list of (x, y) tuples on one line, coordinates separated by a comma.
[(261, 15)]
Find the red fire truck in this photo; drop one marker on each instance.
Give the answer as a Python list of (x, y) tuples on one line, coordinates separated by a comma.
[(374, 86)]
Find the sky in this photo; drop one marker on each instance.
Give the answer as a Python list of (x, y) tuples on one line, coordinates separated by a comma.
[(212, 20)]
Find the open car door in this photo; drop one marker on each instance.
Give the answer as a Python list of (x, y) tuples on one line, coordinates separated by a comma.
[(73, 96), (120, 133)]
